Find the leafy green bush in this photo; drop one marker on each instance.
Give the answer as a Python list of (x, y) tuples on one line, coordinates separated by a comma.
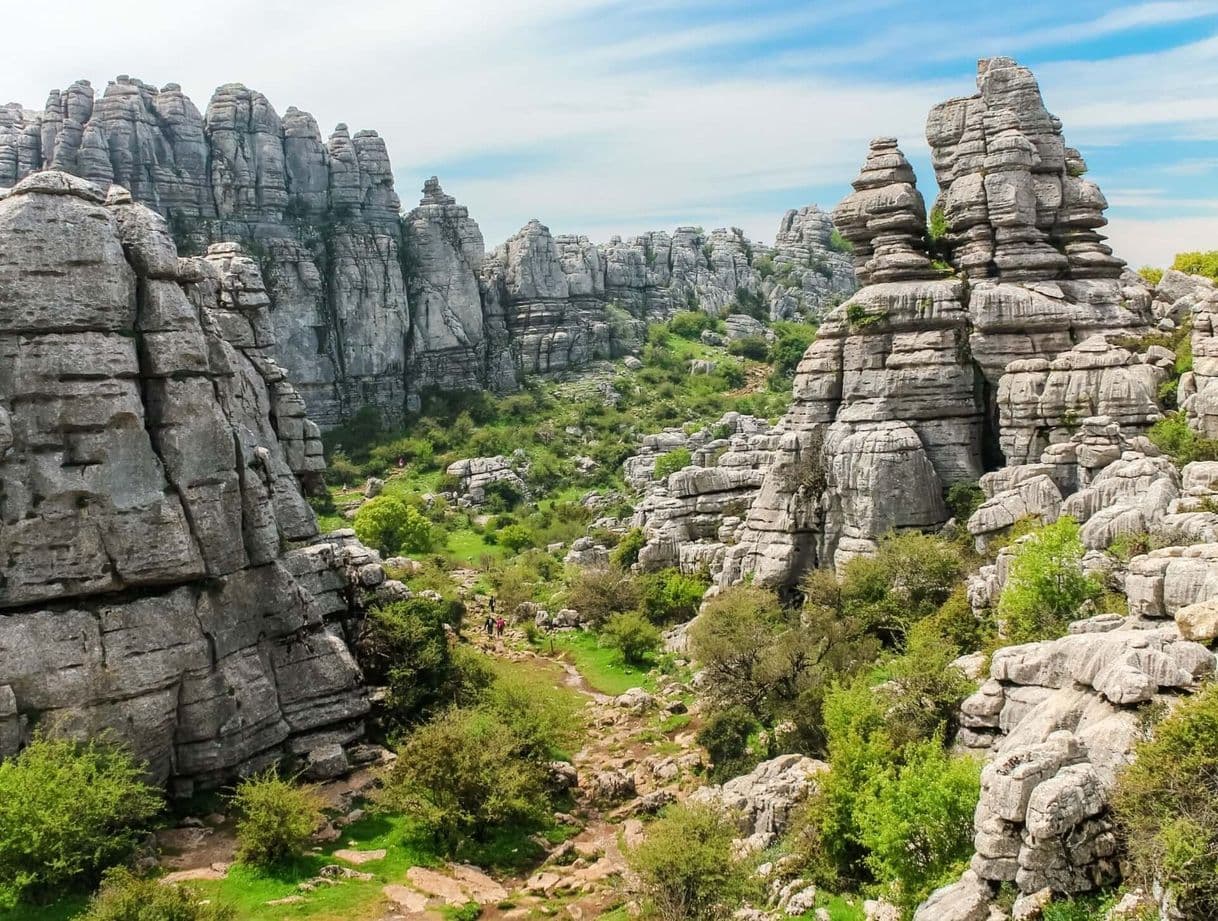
[(674, 460), (1046, 585), (404, 646), (276, 818), (516, 537), (340, 471), (753, 347), (541, 718), (671, 596), (626, 553), (1166, 803), (686, 867), (126, 897), (916, 820), (633, 636), (1198, 263), (598, 593), (840, 243), (963, 499), (731, 373), (725, 736), (689, 324), (463, 775), (792, 340), (1151, 274), (391, 526), (1175, 437), (67, 812)]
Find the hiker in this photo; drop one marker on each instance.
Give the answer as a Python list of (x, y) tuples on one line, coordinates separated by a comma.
[(499, 625), (489, 625), (492, 605)]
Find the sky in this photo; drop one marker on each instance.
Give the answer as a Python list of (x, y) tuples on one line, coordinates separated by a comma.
[(611, 117)]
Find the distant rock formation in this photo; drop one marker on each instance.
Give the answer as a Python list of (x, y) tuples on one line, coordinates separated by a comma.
[(369, 307), (934, 370), (163, 579)]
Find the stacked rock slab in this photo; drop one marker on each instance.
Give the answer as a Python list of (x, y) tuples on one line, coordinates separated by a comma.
[(925, 376), (161, 576), (811, 273)]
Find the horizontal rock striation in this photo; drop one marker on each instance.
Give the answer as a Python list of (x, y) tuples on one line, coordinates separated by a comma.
[(162, 575), (369, 307)]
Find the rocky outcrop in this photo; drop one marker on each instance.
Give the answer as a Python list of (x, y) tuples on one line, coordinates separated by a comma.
[(934, 369), (368, 307), (763, 799), (163, 577)]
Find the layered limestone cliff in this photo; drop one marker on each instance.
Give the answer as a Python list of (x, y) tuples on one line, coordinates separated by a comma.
[(936, 371), (163, 579), (370, 307)]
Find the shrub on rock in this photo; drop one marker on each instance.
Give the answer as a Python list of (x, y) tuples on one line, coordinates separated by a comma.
[(276, 818), (1046, 586)]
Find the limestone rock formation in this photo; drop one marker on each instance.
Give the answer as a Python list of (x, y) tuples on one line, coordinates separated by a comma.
[(764, 798), (812, 272), (163, 579)]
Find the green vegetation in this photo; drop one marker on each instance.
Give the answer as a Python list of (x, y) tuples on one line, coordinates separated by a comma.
[(1181, 442), (276, 818), (1198, 263), (600, 664), (1167, 804), (840, 243), (690, 324), (68, 812), (633, 636), (126, 897), (671, 462), (1151, 275), (686, 867), (391, 526), (1046, 585)]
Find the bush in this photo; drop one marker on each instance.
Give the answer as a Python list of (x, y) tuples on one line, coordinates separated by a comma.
[(686, 866), (689, 324), (1166, 803), (677, 459), (598, 594), (1175, 437), (515, 537), (389, 525), (405, 647), (540, 717), (633, 636), (126, 897), (731, 638), (67, 812), (670, 596), (916, 820), (276, 818), (1198, 263), (340, 471), (963, 499), (1046, 585), (725, 736), (792, 341), (626, 553), (754, 347), (731, 373), (463, 775), (1150, 274)]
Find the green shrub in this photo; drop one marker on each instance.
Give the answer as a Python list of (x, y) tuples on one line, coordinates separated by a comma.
[(725, 736), (516, 537), (463, 775), (671, 596), (1046, 585), (633, 636), (677, 459), (731, 373), (541, 718), (753, 347), (840, 243), (126, 897), (598, 593), (67, 812), (686, 866), (340, 471), (1166, 803), (963, 499), (276, 818), (791, 342), (1198, 263), (404, 646), (916, 820), (388, 524), (1151, 274), (1175, 437), (626, 553), (689, 324)]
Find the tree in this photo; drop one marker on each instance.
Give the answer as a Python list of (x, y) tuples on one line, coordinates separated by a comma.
[(725, 736), (633, 636), (68, 811), (626, 553), (671, 596), (730, 638), (1046, 585), (599, 593), (686, 867), (391, 526), (516, 537), (276, 818)]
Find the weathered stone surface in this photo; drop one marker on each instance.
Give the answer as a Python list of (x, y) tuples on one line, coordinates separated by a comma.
[(156, 583), (763, 799)]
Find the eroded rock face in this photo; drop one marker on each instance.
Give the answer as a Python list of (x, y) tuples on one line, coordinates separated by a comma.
[(162, 574), (763, 799), (925, 375)]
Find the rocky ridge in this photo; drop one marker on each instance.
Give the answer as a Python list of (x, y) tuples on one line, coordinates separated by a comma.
[(370, 307), (163, 576)]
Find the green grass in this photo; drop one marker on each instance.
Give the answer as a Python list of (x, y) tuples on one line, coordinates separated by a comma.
[(468, 547), (601, 666), (840, 908), (62, 910)]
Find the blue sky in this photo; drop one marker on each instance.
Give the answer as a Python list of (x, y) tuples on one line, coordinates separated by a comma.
[(608, 116)]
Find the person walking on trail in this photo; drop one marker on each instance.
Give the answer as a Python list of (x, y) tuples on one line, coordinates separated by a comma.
[(492, 605), (489, 625), (499, 625)]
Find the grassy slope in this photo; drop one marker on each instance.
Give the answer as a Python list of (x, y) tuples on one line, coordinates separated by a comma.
[(601, 666)]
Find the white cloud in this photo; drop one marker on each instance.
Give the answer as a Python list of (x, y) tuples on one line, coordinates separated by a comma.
[(1156, 241)]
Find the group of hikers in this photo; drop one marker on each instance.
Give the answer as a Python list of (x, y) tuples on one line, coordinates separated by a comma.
[(494, 626)]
